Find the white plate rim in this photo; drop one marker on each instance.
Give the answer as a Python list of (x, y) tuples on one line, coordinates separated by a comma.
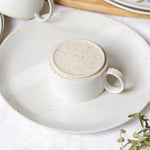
[(63, 130), (139, 11), (132, 5)]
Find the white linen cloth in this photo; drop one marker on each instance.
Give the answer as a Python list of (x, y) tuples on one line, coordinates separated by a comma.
[(17, 133)]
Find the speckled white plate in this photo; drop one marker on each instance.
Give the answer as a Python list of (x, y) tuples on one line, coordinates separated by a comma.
[(133, 3), (24, 72), (129, 8)]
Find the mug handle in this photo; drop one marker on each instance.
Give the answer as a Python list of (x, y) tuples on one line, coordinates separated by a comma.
[(51, 11), (116, 73)]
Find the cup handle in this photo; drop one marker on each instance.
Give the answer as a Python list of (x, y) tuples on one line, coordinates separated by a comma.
[(51, 10), (116, 73)]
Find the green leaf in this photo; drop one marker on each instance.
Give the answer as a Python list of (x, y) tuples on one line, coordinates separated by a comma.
[(146, 143), (133, 115), (136, 135), (133, 147), (139, 1), (144, 130), (120, 140), (147, 134), (132, 141), (141, 139), (123, 131), (139, 147), (126, 145), (141, 119)]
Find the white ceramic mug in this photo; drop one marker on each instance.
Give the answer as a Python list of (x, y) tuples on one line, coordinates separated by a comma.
[(79, 71), (25, 9)]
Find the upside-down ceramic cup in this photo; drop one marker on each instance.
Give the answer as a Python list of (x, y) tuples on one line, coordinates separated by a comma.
[(79, 69), (25, 9)]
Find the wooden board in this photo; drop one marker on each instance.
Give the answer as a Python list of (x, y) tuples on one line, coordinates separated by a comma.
[(99, 6)]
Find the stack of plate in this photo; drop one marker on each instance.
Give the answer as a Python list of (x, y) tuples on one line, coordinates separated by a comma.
[(132, 5), (1, 25)]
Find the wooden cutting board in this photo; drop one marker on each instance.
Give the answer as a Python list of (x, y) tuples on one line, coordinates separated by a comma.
[(99, 6)]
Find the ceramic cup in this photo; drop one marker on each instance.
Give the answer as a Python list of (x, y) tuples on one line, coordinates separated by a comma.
[(25, 9), (79, 70)]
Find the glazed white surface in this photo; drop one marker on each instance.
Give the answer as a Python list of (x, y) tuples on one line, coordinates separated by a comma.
[(129, 8), (25, 80), (18, 133), (133, 3), (18, 10)]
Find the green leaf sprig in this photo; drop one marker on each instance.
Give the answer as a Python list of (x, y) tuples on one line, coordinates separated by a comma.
[(140, 1), (141, 139)]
